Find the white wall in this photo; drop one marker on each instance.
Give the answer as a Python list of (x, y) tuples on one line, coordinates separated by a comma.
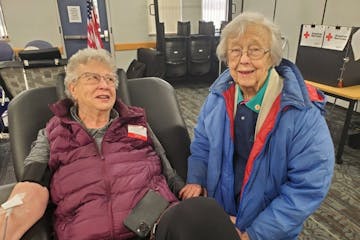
[(289, 15), (342, 13), (129, 24), (266, 7), (191, 11), (39, 23)]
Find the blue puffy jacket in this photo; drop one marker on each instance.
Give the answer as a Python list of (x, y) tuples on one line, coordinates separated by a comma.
[(290, 166)]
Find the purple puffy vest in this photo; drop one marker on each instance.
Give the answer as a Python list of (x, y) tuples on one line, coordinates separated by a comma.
[(95, 190)]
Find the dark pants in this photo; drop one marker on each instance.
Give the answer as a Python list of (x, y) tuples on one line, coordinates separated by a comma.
[(196, 219)]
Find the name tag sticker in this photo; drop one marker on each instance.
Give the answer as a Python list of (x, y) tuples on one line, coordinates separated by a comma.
[(137, 131)]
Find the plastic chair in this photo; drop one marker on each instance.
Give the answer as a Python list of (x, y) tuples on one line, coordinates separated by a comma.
[(199, 56), (183, 28), (175, 56), (206, 28), (6, 52), (37, 44)]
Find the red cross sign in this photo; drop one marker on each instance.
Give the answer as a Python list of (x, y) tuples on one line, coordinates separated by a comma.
[(306, 35), (329, 37)]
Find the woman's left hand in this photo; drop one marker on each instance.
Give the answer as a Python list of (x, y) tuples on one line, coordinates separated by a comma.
[(190, 190)]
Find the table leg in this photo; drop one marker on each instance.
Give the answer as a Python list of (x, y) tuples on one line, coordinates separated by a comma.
[(344, 133)]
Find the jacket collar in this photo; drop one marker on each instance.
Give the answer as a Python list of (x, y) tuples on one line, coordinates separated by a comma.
[(222, 83), (294, 92)]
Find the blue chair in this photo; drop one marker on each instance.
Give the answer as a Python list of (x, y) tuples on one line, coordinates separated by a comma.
[(37, 44), (6, 52)]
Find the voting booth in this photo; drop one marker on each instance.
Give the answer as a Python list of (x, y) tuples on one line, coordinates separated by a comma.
[(329, 54)]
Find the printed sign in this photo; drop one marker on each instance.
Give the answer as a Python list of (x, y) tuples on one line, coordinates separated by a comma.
[(74, 14), (335, 38), (312, 35)]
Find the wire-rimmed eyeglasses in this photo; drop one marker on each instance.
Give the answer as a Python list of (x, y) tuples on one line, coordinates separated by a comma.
[(252, 53), (95, 78)]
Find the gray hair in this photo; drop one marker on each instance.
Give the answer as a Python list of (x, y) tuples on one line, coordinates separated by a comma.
[(238, 26), (82, 57)]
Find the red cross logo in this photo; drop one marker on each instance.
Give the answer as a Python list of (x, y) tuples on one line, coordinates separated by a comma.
[(306, 35), (329, 37)]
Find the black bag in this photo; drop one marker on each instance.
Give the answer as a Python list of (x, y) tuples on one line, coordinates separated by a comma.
[(145, 214), (136, 69)]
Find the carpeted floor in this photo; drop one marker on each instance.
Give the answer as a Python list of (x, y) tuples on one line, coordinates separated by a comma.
[(338, 218)]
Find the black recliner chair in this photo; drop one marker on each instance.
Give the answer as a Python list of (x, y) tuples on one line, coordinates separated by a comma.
[(155, 95)]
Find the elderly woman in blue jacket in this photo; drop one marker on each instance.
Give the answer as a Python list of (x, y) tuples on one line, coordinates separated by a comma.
[(262, 147)]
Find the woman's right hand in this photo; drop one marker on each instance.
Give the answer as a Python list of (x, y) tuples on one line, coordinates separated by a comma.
[(190, 190)]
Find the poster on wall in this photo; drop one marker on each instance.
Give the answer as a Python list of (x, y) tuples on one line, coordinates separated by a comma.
[(74, 14), (312, 35)]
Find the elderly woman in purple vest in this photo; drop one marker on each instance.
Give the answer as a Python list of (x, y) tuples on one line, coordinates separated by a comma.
[(262, 148), (99, 160)]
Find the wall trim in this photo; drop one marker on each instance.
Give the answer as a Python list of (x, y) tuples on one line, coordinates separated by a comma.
[(133, 46)]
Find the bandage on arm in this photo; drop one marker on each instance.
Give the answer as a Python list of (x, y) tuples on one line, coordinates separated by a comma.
[(30, 202)]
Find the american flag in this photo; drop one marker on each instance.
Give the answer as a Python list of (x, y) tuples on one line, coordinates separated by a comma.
[(93, 35)]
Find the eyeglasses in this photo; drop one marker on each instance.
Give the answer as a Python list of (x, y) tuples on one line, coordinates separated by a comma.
[(252, 53), (95, 78)]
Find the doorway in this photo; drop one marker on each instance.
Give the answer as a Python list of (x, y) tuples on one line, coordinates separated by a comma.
[(73, 18)]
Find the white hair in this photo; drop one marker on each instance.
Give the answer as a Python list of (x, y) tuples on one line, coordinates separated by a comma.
[(82, 57), (238, 26)]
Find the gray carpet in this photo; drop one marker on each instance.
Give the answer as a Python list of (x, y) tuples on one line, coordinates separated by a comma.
[(339, 215)]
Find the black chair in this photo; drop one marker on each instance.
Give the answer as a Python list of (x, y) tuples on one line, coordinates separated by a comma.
[(169, 60), (175, 56), (199, 55), (154, 61), (37, 44), (158, 99), (174, 49), (136, 69), (154, 94), (206, 28), (183, 28), (41, 57), (6, 51)]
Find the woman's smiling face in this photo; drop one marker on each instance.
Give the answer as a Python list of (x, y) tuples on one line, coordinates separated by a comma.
[(249, 57)]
